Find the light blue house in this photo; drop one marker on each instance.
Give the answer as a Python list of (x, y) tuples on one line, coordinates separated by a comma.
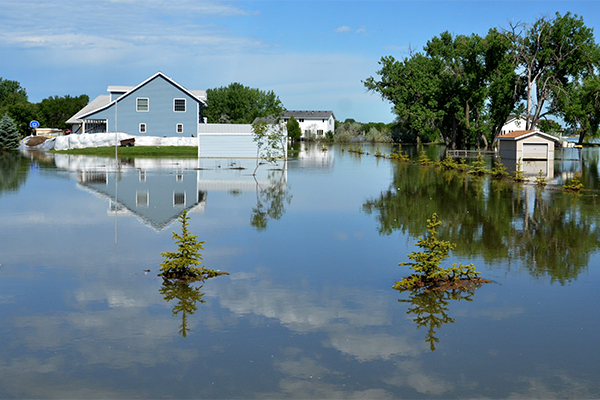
[(159, 106)]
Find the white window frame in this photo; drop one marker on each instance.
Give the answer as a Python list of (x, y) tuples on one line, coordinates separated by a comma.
[(184, 105), (177, 128), (143, 127), (137, 104)]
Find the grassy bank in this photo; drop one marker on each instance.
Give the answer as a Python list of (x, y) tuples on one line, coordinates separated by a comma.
[(136, 151)]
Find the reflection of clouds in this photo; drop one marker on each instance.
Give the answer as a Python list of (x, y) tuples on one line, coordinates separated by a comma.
[(409, 373), (369, 346), (354, 320), (557, 385)]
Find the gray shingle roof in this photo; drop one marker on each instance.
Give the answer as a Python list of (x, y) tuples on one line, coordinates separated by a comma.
[(308, 114)]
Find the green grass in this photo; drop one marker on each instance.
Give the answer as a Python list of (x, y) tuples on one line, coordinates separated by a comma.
[(136, 151)]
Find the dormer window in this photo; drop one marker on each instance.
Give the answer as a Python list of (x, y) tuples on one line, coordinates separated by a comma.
[(179, 105)]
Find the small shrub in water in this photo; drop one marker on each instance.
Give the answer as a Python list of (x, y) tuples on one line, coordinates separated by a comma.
[(428, 274), (540, 180)]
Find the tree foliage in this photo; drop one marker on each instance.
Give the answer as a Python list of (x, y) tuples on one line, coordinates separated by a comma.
[(293, 128), (9, 134), (551, 53), (239, 104), (428, 275), (54, 111), (461, 89), (270, 139), (183, 264)]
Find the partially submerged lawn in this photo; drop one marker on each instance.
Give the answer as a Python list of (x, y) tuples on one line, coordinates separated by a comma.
[(136, 151)]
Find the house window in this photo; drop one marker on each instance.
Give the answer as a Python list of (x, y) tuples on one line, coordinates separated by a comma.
[(142, 128), (179, 105), (142, 104), (320, 132), (179, 128), (142, 175), (179, 199), (300, 119), (141, 199)]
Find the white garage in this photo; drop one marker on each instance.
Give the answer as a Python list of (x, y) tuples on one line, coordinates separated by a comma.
[(526, 145)]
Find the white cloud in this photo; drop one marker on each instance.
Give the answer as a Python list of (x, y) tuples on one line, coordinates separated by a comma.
[(343, 29)]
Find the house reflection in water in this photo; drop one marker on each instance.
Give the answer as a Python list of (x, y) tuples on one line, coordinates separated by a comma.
[(156, 191)]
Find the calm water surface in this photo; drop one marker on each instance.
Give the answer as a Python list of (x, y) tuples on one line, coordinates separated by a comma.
[(308, 310)]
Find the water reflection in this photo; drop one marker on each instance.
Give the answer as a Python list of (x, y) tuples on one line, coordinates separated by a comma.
[(13, 171), (187, 297), (549, 232), (430, 309), (156, 191)]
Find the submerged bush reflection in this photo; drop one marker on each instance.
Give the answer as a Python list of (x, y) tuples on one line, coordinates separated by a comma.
[(430, 309)]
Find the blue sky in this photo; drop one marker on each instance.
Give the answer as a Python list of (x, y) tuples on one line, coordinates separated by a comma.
[(312, 54)]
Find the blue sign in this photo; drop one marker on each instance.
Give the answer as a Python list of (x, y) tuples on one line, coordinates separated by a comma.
[(34, 124)]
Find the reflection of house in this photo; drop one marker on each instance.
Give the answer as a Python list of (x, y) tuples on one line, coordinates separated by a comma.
[(313, 123), (155, 198), (156, 191), (156, 107), (526, 145)]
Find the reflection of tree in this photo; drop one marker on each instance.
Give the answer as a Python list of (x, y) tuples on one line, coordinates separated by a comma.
[(551, 234), (187, 296), (270, 202), (431, 310), (13, 171)]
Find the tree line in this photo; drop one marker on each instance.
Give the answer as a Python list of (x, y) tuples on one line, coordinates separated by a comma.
[(463, 88), (52, 112)]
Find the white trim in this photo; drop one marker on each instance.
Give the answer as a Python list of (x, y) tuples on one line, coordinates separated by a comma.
[(177, 128)]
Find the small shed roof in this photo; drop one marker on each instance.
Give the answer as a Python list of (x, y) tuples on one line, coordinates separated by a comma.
[(519, 135)]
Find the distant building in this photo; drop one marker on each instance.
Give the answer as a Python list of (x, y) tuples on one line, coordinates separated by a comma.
[(312, 123), (158, 106), (515, 123)]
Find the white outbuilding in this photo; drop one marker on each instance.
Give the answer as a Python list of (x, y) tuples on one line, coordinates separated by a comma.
[(526, 145)]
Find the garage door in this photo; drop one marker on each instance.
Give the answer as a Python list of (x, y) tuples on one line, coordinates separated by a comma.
[(535, 151)]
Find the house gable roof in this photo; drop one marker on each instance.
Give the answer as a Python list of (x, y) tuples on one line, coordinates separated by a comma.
[(99, 107), (308, 114), (519, 135)]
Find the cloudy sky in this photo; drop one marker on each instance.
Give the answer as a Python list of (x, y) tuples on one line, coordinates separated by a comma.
[(313, 54)]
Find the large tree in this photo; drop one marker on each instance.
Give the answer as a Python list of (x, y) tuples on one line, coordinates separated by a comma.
[(439, 92), (579, 103), (11, 92), (239, 104), (551, 53)]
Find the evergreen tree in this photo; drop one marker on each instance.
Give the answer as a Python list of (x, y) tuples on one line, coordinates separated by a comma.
[(9, 134), (293, 128)]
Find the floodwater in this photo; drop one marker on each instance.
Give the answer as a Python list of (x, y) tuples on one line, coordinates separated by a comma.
[(308, 309)]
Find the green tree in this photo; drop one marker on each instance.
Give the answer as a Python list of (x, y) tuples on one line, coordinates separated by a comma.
[(271, 141), (239, 104), (293, 128), (550, 53), (54, 111), (9, 134), (22, 113), (11, 92), (579, 103), (182, 265)]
